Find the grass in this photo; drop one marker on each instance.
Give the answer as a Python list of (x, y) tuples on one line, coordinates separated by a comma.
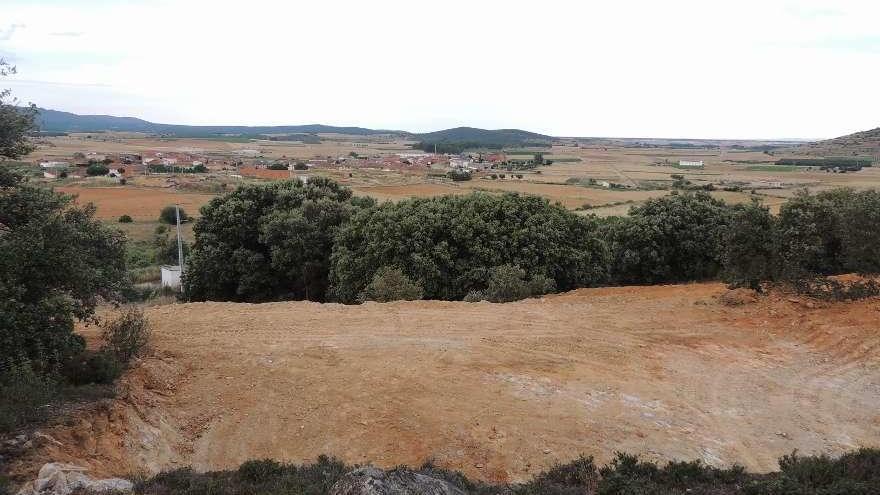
[(772, 168), (853, 473)]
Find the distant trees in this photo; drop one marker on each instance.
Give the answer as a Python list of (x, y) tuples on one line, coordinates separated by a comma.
[(96, 170), (168, 215), (459, 175)]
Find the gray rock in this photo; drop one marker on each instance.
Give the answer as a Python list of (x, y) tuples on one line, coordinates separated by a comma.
[(61, 479), (373, 481)]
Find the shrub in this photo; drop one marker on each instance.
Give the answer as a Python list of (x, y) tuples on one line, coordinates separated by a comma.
[(125, 219), (97, 169), (749, 254), (42, 292), (450, 244), (674, 238), (457, 174), (24, 393), (510, 283), (269, 241), (390, 284), (168, 215), (101, 367), (126, 336)]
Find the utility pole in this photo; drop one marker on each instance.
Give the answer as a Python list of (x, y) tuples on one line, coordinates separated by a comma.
[(179, 242)]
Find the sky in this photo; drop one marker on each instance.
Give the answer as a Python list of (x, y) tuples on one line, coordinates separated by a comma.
[(675, 69)]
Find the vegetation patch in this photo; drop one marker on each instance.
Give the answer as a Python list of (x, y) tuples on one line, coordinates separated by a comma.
[(856, 473)]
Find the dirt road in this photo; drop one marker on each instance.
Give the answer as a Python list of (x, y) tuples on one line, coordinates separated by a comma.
[(502, 391)]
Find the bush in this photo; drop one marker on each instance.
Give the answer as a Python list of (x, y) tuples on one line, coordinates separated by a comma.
[(670, 239), (510, 283), (127, 336), (42, 292), (390, 284), (101, 367), (96, 169), (449, 245), (856, 473), (125, 219), (271, 241), (24, 393), (458, 174), (168, 215), (749, 255)]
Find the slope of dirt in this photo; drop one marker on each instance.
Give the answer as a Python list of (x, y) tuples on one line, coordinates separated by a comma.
[(500, 391)]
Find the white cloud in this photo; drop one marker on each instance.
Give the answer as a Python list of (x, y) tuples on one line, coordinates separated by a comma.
[(627, 68)]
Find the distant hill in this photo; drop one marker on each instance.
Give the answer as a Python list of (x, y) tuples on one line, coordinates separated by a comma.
[(865, 143), (53, 121), (57, 121), (484, 136)]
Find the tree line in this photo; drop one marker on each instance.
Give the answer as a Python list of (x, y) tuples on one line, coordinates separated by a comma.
[(291, 240)]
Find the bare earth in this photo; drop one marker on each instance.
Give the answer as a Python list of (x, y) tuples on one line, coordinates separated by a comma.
[(665, 371)]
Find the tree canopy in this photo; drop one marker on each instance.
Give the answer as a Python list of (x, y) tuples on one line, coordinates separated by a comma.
[(57, 262), (450, 244), (265, 242)]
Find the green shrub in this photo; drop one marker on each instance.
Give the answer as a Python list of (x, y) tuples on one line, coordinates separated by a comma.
[(510, 283), (24, 393), (450, 244), (128, 335), (270, 241), (125, 219), (670, 239), (168, 215), (100, 368), (856, 473), (390, 284), (97, 169)]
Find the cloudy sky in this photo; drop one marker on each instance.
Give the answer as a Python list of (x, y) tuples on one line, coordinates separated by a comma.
[(709, 69)]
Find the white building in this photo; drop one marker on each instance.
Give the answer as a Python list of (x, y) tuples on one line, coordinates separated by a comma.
[(53, 164), (171, 276), (690, 164)]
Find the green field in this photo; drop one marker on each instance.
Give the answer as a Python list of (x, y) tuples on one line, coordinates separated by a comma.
[(772, 168)]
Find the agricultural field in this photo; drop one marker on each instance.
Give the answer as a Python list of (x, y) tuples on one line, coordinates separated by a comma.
[(640, 173)]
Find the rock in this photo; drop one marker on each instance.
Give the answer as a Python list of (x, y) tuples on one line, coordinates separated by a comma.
[(56, 478), (374, 481), (739, 297)]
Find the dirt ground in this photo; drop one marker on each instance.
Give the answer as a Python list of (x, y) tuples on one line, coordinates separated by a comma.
[(500, 391), (139, 203)]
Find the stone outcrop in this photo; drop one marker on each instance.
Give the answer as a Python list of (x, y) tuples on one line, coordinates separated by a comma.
[(62, 479), (374, 481)]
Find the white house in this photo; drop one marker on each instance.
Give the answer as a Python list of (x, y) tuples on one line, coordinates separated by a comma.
[(53, 164), (690, 164)]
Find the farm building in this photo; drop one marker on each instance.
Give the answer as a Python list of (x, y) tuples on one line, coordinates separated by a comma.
[(690, 164)]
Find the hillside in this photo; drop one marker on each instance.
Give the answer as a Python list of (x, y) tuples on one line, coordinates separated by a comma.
[(57, 121), (500, 391), (865, 143), (484, 136)]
